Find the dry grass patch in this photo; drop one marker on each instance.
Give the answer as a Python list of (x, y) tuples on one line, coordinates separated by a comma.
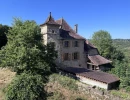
[(64, 88), (5, 78)]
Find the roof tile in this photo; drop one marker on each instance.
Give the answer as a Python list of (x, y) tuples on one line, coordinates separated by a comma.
[(66, 27), (98, 60)]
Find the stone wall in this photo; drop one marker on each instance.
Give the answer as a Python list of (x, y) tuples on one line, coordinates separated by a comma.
[(93, 82), (81, 62)]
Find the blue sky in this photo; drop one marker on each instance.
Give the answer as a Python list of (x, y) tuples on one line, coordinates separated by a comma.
[(90, 15)]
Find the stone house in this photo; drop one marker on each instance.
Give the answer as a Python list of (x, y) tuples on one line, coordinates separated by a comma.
[(76, 55), (73, 49)]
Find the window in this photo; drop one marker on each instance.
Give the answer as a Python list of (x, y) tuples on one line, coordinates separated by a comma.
[(88, 66), (75, 43), (66, 43), (93, 67), (53, 31), (66, 56), (75, 56)]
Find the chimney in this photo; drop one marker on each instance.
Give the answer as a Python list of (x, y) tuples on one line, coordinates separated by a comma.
[(76, 28)]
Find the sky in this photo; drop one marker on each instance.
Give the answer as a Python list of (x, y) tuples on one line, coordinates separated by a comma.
[(90, 15)]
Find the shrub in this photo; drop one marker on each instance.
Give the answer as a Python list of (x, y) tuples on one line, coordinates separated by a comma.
[(26, 87)]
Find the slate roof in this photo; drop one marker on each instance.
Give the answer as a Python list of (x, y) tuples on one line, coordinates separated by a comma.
[(98, 60), (90, 44), (95, 75), (66, 27), (65, 34), (50, 20)]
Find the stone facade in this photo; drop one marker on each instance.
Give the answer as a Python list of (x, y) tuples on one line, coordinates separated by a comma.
[(76, 55), (69, 53), (80, 62)]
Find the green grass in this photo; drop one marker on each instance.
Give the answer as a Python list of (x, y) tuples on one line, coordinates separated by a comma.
[(64, 81), (121, 94)]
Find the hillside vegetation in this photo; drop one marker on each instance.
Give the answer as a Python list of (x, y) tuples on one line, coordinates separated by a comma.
[(58, 88), (124, 45)]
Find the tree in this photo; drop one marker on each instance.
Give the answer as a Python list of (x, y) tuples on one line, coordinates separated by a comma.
[(25, 50), (102, 40), (29, 58), (3, 30)]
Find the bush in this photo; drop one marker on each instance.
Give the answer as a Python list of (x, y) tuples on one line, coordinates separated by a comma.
[(26, 87)]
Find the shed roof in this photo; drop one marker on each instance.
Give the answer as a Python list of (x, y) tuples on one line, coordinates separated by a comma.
[(95, 75), (98, 60)]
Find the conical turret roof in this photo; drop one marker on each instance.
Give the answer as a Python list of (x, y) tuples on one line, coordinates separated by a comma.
[(50, 20)]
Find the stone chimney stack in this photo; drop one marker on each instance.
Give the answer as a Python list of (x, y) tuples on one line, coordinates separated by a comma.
[(76, 28)]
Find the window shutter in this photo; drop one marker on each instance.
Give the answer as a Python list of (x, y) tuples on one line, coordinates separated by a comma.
[(63, 56), (78, 55), (69, 43), (69, 56), (72, 56)]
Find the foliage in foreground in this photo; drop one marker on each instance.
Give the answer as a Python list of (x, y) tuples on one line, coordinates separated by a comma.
[(26, 87), (25, 53), (25, 50)]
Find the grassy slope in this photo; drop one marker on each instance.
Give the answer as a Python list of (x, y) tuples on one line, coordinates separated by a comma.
[(66, 90), (58, 88)]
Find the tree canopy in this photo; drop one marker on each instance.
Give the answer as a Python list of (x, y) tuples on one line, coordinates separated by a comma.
[(3, 30), (102, 40), (29, 58), (25, 50)]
